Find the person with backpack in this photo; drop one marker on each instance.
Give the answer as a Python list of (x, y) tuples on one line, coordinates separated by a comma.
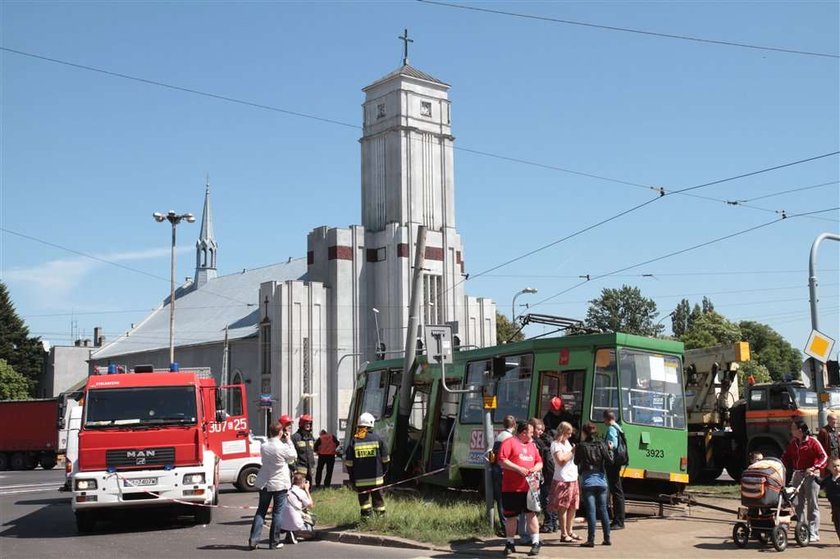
[(617, 444), (593, 458)]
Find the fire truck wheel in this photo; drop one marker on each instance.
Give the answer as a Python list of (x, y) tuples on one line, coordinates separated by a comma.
[(48, 460), (203, 515), (4, 461), (247, 480), (85, 522)]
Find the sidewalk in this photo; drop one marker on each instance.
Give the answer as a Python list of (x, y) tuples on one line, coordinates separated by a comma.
[(700, 532)]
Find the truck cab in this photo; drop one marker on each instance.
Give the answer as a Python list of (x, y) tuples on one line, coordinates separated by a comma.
[(770, 408), (151, 439)]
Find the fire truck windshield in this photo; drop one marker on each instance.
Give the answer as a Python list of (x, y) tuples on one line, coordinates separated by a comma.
[(149, 406)]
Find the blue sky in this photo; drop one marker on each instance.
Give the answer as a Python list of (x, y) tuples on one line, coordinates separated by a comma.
[(87, 158)]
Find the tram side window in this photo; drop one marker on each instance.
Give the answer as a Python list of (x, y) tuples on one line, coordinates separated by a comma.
[(391, 396), (472, 403), (513, 390), (375, 387), (605, 386), (419, 406), (652, 389)]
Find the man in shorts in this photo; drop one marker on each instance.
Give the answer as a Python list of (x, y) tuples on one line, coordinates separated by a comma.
[(519, 458)]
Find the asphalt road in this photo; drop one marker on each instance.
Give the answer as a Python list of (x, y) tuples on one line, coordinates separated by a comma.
[(37, 522)]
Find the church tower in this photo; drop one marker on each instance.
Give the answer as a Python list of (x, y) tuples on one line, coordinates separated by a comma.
[(206, 246)]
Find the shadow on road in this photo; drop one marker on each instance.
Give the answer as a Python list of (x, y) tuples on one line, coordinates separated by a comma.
[(56, 520)]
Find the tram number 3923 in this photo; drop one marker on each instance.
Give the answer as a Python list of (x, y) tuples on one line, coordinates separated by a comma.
[(654, 453)]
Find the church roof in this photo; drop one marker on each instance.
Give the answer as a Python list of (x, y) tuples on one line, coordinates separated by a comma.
[(202, 313), (410, 71)]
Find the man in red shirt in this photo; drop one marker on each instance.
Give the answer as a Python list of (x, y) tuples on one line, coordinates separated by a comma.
[(806, 456), (519, 458)]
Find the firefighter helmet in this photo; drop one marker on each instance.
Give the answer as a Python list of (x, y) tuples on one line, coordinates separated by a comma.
[(366, 420), (305, 419), (285, 420), (556, 403)]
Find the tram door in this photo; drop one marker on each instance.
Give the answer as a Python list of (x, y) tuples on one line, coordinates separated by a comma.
[(568, 386)]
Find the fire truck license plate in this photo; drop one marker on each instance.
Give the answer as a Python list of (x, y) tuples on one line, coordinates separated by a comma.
[(140, 482)]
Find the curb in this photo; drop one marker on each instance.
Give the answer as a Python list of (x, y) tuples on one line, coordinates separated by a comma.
[(376, 540), (393, 541)]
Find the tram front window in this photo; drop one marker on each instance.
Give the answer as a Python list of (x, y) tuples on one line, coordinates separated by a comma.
[(651, 389)]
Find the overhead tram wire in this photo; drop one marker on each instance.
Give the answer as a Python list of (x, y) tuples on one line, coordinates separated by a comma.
[(661, 191), (112, 263), (635, 31), (590, 278), (661, 195), (289, 112)]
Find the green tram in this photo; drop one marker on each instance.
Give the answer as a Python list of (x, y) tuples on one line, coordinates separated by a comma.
[(639, 378)]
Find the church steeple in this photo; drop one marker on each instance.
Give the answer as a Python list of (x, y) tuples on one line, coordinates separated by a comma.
[(206, 246)]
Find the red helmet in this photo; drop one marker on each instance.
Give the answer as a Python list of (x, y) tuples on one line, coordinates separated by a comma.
[(285, 420), (556, 403), (305, 419)]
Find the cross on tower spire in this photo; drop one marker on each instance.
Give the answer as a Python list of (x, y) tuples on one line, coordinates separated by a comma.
[(404, 38)]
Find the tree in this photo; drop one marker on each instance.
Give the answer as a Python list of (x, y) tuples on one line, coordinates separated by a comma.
[(13, 385), (506, 331), (679, 318), (623, 310), (753, 369), (707, 305), (771, 350), (710, 329), (23, 353)]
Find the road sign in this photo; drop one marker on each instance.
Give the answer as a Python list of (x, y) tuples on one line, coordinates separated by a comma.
[(819, 346)]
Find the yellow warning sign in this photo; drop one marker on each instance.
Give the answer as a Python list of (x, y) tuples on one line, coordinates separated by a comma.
[(489, 402), (819, 346)]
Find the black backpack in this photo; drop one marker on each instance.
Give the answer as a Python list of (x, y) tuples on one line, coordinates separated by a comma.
[(620, 457)]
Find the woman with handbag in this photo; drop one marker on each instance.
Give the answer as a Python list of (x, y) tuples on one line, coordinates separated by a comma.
[(564, 498), (592, 458), (296, 515)]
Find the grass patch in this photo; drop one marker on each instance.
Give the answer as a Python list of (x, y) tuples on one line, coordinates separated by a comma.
[(717, 489), (435, 516)]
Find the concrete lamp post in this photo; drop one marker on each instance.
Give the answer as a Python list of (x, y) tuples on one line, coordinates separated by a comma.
[(173, 219)]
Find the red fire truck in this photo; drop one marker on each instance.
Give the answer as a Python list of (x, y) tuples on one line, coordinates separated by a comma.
[(151, 439)]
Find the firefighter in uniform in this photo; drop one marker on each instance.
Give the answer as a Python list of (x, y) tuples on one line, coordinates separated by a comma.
[(366, 459), (305, 447)]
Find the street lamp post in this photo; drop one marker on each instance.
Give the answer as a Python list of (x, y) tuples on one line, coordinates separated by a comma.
[(174, 219), (513, 304)]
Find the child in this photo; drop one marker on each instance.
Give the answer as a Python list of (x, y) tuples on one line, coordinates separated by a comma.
[(296, 509), (755, 456), (831, 484)]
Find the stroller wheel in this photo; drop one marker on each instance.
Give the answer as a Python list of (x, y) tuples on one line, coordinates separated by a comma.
[(741, 534), (802, 534), (779, 538), (762, 538)]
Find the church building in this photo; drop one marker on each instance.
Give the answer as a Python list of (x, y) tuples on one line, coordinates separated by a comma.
[(299, 330)]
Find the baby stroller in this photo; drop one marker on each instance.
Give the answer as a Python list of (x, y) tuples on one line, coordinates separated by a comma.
[(766, 511)]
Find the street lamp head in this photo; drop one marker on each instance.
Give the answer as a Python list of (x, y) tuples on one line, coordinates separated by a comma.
[(529, 290), (374, 309), (158, 216), (189, 218)]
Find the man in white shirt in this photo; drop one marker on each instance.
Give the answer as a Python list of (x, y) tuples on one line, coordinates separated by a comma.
[(273, 480)]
